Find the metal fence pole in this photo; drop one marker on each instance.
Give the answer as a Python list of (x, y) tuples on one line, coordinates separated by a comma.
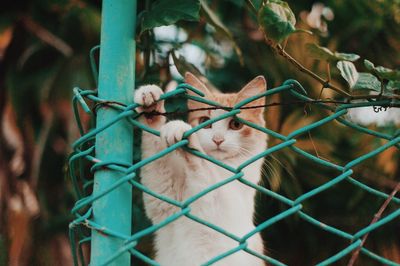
[(116, 83)]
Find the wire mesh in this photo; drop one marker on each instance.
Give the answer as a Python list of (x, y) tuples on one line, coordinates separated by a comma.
[(83, 157)]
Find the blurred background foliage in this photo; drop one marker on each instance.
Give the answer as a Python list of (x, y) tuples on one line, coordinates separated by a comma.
[(44, 46)]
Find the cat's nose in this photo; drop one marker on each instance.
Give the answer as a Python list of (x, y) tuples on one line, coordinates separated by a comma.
[(218, 140)]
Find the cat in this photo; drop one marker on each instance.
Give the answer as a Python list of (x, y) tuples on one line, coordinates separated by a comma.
[(180, 175)]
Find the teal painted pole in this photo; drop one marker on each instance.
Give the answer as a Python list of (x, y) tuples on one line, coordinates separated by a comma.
[(116, 83)]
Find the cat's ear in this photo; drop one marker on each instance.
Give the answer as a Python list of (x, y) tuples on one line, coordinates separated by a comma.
[(257, 86), (197, 83)]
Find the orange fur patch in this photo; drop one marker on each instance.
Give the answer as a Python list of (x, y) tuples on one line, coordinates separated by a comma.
[(228, 100)]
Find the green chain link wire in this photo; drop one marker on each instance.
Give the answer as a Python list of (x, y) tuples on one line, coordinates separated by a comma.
[(83, 155)]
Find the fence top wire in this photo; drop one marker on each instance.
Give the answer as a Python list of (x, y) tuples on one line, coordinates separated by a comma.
[(84, 156)]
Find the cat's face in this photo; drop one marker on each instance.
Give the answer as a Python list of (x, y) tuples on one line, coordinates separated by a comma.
[(228, 138)]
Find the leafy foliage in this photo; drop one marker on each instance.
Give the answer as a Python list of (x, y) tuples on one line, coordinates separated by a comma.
[(382, 72), (348, 72), (367, 81), (219, 26), (167, 12), (277, 19), (323, 53)]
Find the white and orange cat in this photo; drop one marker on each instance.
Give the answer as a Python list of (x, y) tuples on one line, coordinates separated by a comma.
[(180, 175)]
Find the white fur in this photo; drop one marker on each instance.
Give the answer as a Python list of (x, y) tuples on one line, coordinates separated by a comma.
[(180, 175)]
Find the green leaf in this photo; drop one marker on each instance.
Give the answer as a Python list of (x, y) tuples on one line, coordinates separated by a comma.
[(346, 56), (367, 81), (393, 85), (382, 72), (257, 3), (167, 12), (319, 52), (356, 80), (348, 72), (221, 29), (369, 65), (184, 66), (277, 20), (323, 53), (387, 73)]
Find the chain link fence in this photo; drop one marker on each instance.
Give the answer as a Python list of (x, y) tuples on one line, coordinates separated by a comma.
[(83, 158)]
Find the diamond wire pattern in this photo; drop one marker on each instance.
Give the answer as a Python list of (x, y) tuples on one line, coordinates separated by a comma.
[(83, 155)]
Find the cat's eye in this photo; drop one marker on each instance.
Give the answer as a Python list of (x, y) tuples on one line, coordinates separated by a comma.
[(235, 125), (204, 119)]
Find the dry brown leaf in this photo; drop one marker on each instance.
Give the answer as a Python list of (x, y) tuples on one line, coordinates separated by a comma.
[(392, 252), (13, 137), (18, 230), (29, 199), (23, 206), (5, 39), (386, 160)]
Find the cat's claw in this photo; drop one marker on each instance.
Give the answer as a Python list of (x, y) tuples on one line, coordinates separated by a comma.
[(173, 131), (147, 96)]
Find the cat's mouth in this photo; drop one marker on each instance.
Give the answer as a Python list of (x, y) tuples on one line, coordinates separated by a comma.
[(218, 149), (220, 153)]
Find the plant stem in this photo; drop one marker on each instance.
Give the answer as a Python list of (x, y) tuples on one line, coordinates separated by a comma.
[(376, 218), (278, 48), (325, 83), (328, 71)]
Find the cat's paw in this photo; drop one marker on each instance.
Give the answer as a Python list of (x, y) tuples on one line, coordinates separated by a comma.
[(173, 131), (147, 96)]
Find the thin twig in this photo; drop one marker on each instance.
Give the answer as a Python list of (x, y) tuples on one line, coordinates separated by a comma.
[(328, 71), (376, 179), (376, 218), (313, 144), (320, 93), (279, 49)]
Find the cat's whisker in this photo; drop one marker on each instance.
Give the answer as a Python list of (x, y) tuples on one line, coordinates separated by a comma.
[(268, 170), (291, 174)]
